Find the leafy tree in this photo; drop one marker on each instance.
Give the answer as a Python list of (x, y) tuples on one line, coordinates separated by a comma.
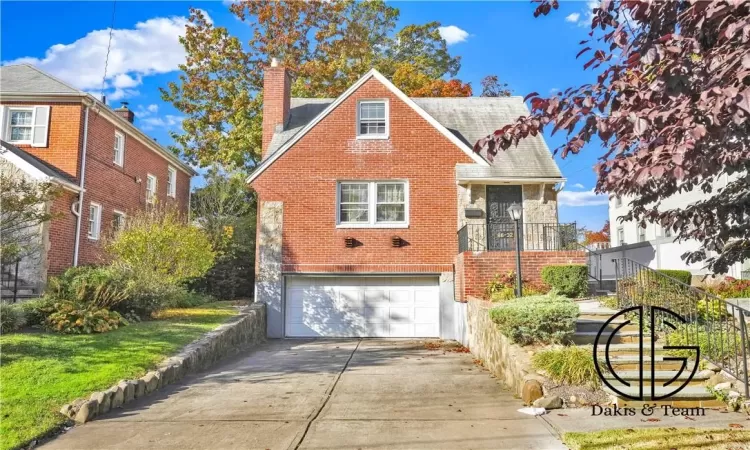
[(493, 87), (670, 106), (158, 242), (327, 45), (597, 236), (225, 210), (23, 209)]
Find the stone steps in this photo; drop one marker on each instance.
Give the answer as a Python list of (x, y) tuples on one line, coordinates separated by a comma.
[(660, 377), (622, 337), (594, 325), (689, 397)]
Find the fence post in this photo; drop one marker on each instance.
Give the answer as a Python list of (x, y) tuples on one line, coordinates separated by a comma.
[(15, 282), (743, 343)]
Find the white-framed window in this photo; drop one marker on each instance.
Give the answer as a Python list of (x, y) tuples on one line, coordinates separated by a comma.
[(118, 220), (171, 182), (95, 220), (641, 233), (151, 185), (621, 236), (618, 201), (27, 125), (372, 119), (119, 150), (667, 232), (378, 204)]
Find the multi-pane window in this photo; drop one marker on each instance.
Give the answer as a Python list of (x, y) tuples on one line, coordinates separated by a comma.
[(373, 203), (372, 119), (668, 232), (151, 188), (171, 182), (119, 150), (621, 236), (118, 220), (641, 233), (95, 220), (618, 201), (21, 124), (354, 203), (391, 202)]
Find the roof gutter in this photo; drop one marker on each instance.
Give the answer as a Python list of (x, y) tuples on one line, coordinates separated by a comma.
[(81, 183), (510, 180)]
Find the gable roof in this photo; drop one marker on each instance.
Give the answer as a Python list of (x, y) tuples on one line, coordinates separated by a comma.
[(307, 110), (19, 81), (36, 167)]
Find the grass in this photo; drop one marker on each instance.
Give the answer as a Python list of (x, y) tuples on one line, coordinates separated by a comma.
[(660, 439), (568, 365), (40, 372)]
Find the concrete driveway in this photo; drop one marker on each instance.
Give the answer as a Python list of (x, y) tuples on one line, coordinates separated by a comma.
[(325, 394)]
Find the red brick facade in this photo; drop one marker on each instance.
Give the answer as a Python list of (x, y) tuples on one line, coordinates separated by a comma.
[(106, 183), (475, 269), (305, 179)]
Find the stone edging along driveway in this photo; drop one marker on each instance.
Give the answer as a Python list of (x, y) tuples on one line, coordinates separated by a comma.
[(246, 329)]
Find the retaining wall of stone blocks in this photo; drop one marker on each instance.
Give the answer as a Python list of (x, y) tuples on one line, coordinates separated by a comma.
[(246, 329)]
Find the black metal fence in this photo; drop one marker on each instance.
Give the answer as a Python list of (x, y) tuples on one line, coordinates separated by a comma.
[(502, 236), (9, 279), (717, 326)]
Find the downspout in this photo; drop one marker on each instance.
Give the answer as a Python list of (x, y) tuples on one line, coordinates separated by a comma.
[(81, 183)]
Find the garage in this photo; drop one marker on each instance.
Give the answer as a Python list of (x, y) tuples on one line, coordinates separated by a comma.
[(350, 306)]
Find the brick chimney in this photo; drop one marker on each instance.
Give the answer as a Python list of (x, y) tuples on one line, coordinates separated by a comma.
[(277, 92), (125, 113)]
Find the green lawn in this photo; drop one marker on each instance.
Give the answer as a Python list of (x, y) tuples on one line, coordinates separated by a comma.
[(662, 438), (40, 372)]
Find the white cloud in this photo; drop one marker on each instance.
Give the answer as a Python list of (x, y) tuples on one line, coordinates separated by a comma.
[(579, 186), (151, 48), (153, 108), (581, 198), (573, 17), (168, 121), (452, 34), (583, 18), (554, 90)]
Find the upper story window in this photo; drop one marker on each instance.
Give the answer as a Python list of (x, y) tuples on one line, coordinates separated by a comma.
[(667, 232), (372, 119), (641, 233), (95, 220), (621, 236), (618, 201), (27, 125), (379, 204), (171, 182), (151, 183), (119, 150)]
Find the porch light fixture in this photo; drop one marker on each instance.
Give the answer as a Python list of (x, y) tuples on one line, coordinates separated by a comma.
[(515, 211)]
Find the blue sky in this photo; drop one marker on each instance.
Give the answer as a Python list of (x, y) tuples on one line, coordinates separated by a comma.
[(503, 38)]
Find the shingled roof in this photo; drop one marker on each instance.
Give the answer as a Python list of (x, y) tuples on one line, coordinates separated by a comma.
[(47, 170), (27, 79), (468, 118)]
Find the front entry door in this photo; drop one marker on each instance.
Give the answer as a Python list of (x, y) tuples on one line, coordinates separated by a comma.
[(501, 229)]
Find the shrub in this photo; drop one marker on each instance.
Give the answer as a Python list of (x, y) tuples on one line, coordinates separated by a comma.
[(569, 280), (731, 288), (230, 278), (568, 365), (147, 294), (682, 275), (159, 243), (503, 287), (11, 318), (188, 299), (74, 318), (540, 319), (97, 287), (35, 311)]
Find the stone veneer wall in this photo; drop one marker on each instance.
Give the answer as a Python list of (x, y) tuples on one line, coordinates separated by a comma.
[(268, 280), (242, 331), (507, 361)]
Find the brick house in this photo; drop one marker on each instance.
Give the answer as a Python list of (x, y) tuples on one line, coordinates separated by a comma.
[(376, 217), (107, 168)]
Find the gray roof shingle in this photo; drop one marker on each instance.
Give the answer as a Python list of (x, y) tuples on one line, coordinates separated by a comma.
[(26, 79), (468, 118)]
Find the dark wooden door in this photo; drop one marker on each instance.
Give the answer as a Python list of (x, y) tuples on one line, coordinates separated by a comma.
[(501, 229)]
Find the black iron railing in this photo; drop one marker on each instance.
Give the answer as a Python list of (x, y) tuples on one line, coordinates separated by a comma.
[(502, 236), (717, 326), (9, 278), (745, 275)]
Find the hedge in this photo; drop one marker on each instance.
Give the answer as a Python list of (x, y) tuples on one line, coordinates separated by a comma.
[(539, 319), (682, 275), (569, 280)]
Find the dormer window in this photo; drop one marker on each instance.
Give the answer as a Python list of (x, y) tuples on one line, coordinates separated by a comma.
[(372, 119)]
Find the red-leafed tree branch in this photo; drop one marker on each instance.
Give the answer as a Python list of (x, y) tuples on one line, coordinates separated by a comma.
[(670, 107)]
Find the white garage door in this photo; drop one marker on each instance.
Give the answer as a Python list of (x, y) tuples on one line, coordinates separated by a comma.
[(362, 306)]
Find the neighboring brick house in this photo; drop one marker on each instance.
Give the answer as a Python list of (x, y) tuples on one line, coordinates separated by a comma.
[(373, 203), (102, 161)]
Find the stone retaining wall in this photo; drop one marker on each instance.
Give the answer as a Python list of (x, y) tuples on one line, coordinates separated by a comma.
[(507, 361), (242, 331)]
